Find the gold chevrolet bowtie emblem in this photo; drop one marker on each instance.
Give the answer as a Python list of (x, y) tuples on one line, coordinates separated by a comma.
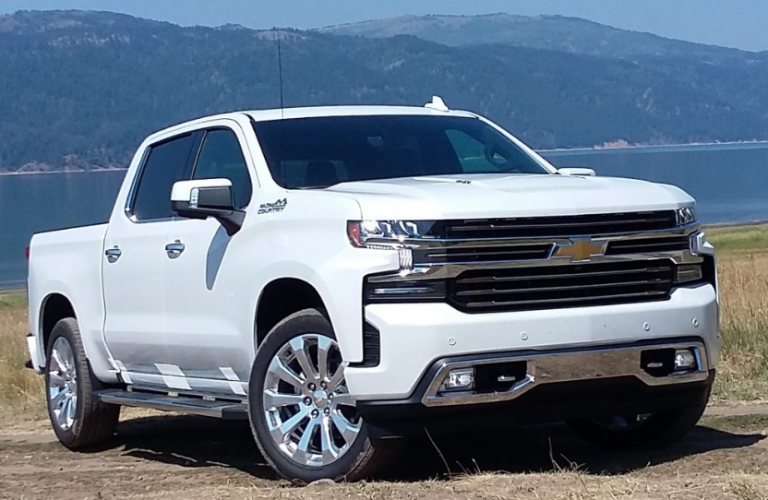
[(580, 250)]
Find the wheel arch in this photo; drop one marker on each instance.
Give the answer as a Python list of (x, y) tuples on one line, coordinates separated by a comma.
[(54, 308), (272, 307)]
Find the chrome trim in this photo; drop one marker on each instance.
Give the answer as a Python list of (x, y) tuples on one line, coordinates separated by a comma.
[(175, 249), (549, 367), (423, 243), (454, 269), (113, 254)]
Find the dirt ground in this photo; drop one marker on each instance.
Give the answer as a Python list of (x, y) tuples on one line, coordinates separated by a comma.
[(171, 456)]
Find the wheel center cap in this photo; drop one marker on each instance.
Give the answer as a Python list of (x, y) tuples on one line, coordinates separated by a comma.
[(321, 399)]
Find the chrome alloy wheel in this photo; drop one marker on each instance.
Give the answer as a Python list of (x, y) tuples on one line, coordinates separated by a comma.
[(62, 384), (309, 412)]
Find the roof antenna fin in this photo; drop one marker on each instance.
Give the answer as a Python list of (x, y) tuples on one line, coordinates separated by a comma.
[(280, 71), (437, 104)]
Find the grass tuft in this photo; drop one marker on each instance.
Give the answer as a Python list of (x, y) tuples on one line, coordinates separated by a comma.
[(21, 389)]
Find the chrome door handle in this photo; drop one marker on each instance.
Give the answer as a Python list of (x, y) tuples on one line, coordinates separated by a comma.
[(113, 254), (174, 249)]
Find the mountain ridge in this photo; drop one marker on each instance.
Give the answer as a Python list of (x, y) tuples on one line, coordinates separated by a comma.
[(80, 90), (497, 27)]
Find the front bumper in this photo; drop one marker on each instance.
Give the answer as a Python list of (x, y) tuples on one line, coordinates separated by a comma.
[(414, 336), (524, 371), (544, 404)]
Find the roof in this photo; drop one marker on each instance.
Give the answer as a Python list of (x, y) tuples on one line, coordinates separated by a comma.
[(313, 112), (318, 111)]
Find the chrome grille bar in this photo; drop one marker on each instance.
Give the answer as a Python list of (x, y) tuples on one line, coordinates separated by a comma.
[(574, 225), (563, 286)]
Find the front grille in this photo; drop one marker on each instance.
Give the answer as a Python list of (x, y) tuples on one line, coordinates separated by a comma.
[(648, 245), (491, 253), (576, 225), (549, 287)]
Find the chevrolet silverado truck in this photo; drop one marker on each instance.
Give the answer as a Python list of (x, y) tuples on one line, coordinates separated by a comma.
[(345, 277)]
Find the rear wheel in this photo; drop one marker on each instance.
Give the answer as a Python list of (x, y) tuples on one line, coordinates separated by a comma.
[(303, 418), (78, 418)]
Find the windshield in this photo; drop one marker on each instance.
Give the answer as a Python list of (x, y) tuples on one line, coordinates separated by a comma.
[(321, 152)]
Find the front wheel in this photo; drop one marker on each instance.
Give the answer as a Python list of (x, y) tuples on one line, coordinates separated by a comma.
[(639, 431), (303, 418)]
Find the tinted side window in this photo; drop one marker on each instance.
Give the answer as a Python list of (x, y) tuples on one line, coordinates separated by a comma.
[(166, 163), (222, 158)]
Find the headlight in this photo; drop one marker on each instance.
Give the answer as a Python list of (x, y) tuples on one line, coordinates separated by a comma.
[(385, 234), (685, 216)]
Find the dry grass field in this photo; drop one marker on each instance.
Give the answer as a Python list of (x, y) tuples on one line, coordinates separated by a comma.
[(168, 456), (743, 275)]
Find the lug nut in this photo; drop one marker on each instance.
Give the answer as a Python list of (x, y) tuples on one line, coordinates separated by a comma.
[(315, 413), (311, 386), (330, 397), (327, 411), (307, 401), (323, 385)]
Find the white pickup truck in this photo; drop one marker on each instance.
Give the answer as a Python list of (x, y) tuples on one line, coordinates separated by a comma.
[(346, 276)]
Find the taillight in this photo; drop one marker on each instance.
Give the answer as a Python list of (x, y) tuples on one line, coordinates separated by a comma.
[(26, 253)]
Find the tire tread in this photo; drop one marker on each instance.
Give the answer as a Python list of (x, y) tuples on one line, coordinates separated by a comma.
[(97, 421)]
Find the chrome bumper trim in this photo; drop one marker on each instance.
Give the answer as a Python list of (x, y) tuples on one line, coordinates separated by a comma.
[(567, 366)]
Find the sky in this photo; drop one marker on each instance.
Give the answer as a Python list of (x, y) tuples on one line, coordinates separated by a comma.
[(732, 23)]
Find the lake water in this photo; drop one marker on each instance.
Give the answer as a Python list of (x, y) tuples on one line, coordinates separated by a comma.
[(730, 184)]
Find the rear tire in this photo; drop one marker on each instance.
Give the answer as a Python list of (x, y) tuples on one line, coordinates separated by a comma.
[(640, 431), (303, 454), (78, 418)]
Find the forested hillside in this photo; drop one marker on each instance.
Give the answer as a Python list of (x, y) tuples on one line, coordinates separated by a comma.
[(79, 90)]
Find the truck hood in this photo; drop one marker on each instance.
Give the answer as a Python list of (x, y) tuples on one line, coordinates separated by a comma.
[(503, 195)]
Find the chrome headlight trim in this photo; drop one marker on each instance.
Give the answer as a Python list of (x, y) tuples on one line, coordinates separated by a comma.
[(386, 233), (686, 215)]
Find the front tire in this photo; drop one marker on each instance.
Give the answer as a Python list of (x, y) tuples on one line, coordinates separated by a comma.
[(639, 431), (78, 418), (302, 416)]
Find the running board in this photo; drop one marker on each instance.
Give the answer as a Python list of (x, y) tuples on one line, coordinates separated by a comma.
[(226, 410)]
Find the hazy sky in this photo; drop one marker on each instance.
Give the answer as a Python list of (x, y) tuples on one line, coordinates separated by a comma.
[(734, 23)]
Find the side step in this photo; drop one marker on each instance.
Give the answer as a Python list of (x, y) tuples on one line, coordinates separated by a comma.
[(227, 410)]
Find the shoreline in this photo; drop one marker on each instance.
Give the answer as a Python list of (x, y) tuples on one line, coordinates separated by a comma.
[(576, 150), (640, 147), (61, 172), (735, 225)]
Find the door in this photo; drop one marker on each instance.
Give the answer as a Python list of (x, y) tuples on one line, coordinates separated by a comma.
[(134, 259), (207, 305)]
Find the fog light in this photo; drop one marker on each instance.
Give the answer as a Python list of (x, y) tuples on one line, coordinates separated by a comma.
[(688, 273), (459, 380), (685, 360)]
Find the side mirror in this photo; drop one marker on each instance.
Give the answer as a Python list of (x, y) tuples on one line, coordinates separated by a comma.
[(203, 198), (577, 172)]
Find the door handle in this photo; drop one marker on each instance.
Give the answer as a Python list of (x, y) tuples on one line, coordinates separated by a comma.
[(174, 249), (113, 254)]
